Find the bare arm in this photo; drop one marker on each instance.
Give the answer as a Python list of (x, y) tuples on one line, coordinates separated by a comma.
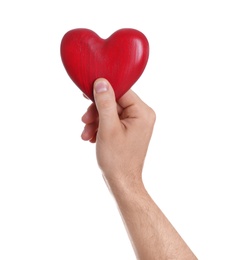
[(122, 132), (151, 234)]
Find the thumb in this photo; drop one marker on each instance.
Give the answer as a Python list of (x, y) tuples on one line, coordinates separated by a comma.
[(105, 101)]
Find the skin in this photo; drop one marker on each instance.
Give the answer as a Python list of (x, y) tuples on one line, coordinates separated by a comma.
[(122, 131)]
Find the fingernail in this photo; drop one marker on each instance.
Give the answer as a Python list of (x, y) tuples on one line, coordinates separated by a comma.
[(100, 86)]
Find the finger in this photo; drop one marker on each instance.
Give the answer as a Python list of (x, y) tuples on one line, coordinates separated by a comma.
[(119, 109), (94, 138), (128, 99), (91, 114), (104, 97), (89, 131)]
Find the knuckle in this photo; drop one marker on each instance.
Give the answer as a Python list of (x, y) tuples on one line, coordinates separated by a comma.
[(150, 116)]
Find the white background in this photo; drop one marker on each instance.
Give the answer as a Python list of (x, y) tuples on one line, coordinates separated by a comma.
[(53, 201)]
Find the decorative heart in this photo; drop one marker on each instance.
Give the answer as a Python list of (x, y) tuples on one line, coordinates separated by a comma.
[(121, 58)]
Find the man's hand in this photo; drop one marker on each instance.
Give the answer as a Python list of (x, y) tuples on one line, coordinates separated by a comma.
[(121, 130)]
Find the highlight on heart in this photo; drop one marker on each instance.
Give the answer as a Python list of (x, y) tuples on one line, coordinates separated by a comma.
[(121, 58)]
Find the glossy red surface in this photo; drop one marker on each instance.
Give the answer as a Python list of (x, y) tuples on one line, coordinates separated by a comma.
[(121, 58)]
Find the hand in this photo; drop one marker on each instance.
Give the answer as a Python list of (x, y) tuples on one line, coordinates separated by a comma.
[(121, 130)]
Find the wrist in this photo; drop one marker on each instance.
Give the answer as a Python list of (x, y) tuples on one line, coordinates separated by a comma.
[(125, 185)]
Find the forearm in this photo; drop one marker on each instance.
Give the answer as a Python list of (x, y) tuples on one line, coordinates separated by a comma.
[(150, 232)]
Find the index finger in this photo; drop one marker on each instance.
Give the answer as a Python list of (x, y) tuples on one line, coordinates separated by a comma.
[(128, 99)]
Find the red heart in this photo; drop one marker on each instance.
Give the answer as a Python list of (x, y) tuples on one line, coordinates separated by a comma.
[(121, 58)]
